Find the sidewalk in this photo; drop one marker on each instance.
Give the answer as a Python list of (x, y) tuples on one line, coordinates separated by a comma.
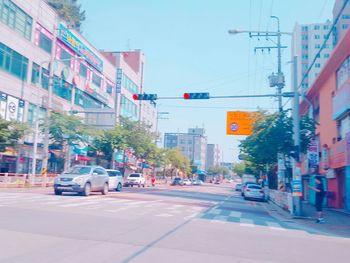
[(336, 223)]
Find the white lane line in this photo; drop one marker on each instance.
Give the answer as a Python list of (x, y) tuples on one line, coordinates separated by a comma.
[(275, 226), (235, 214), (164, 215), (79, 204), (246, 222), (191, 216)]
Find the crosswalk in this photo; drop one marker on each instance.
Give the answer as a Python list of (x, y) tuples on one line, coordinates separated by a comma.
[(108, 205)]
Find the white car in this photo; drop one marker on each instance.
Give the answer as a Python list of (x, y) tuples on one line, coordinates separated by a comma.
[(135, 179), (254, 191), (115, 180), (187, 182)]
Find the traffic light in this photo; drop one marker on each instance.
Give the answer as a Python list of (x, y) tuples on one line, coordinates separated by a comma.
[(144, 96), (196, 96)]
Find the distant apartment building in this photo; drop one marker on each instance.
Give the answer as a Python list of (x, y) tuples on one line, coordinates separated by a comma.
[(343, 22), (307, 41), (192, 144), (228, 165), (213, 155)]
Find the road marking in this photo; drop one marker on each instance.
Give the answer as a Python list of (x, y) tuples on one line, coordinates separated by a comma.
[(275, 226), (191, 216), (235, 214), (246, 222), (164, 215)]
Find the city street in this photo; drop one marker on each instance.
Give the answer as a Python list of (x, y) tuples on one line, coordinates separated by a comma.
[(209, 223)]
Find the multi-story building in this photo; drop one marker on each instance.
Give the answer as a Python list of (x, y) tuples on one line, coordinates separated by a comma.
[(330, 99), (32, 36), (192, 144), (307, 41), (343, 22), (213, 155)]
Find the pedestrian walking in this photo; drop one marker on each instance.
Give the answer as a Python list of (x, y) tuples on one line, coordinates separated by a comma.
[(319, 189)]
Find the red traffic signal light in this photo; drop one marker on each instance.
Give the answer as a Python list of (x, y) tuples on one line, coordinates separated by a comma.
[(135, 96), (196, 96), (145, 96)]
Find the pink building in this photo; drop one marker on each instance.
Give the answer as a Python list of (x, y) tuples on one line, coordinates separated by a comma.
[(330, 98)]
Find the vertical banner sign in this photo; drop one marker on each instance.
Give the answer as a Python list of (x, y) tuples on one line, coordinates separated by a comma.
[(119, 80), (297, 188), (240, 122), (3, 102), (20, 110), (312, 155)]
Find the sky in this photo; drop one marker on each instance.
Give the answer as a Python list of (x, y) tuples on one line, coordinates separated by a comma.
[(188, 49)]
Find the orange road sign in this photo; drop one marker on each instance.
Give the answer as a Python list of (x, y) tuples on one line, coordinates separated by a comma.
[(240, 122)]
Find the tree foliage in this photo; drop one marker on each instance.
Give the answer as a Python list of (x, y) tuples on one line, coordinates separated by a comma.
[(218, 170), (10, 133), (70, 11), (273, 134)]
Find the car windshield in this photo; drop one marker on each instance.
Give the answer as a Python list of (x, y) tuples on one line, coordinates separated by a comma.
[(134, 175), (78, 170), (254, 187), (113, 173)]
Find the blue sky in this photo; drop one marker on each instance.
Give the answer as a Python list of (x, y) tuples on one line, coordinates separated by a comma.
[(188, 49)]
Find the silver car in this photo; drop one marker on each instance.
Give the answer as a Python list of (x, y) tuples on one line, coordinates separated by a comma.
[(115, 180), (254, 191), (82, 179)]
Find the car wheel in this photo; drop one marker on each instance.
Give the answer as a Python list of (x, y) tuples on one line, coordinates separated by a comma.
[(119, 187), (58, 192), (105, 189), (143, 185), (87, 189), (132, 185), (139, 185)]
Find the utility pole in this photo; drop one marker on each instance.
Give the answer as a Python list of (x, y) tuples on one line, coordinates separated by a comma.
[(297, 208)]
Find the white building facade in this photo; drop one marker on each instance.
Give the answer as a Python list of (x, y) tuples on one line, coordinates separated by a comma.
[(213, 155), (32, 36)]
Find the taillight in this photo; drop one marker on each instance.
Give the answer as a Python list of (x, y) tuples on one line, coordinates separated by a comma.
[(248, 190), (261, 191)]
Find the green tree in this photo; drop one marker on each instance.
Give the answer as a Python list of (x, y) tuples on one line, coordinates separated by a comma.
[(10, 133), (70, 11), (239, 168), (218, 170), (273, 134), (176, 161)]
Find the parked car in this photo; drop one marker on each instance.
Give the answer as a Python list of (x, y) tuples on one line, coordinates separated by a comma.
[(187, 182), (197, 182), (82, 179), (238, 187), (254, 191), (115, 180), (135, 179), (244, 186), (177, 181)]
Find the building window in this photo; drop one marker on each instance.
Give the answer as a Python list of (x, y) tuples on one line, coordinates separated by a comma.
[(304, 28), (45, 43), (317, 36), (317, 65), (84, 100), (16, 18), (343, 127), (13, 62), (35, 73), (346, 16), (305, 56), (96, 79), (128, 108), (316, 27), (45, 75), (305, 46), (62, 88), (326, 55), (325, 36), (109, 88), (317, 46), (83, 70), (343, 73), (326, 27), (345, 26), (304, 37), (129, 84), (65, 57)]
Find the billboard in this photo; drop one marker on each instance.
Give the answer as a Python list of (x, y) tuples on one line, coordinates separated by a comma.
[(240, 122)]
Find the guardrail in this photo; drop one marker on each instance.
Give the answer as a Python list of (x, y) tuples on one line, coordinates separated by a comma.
[(13, 180)]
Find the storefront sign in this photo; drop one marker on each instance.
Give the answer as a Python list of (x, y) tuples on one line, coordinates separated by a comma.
[(312, 155), (297, 188), (81, 49), (330, 174)]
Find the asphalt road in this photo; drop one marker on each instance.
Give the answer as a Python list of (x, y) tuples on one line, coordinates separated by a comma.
[(208, 223)]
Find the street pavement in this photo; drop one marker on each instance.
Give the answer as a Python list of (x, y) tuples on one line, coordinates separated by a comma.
[(209, 223)]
